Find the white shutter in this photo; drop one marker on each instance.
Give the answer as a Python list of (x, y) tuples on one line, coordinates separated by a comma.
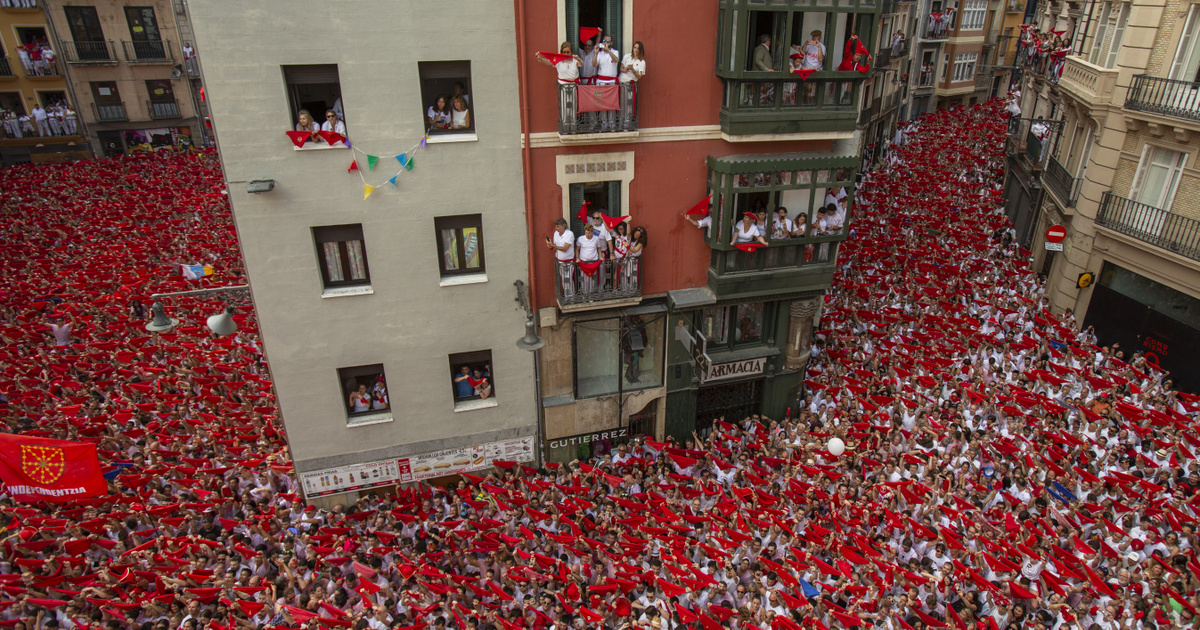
[(1118, 34), (1187, 55)]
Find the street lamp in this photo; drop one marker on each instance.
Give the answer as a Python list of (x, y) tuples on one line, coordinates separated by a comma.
[(222, 323), (531, 341)]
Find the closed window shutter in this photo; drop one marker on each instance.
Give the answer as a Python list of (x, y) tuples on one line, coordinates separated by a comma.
[(572, 15), (614, 199), (614, 26), (305, 75), (576, 193)]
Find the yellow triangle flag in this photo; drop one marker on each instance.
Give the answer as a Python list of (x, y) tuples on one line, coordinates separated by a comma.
[(367, 188)]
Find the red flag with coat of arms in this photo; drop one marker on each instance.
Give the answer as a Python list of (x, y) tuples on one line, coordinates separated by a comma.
[(598, 98), (40, 469)]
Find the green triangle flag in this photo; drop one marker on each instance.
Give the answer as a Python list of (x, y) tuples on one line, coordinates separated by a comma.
[(411, 161), (371, 160)]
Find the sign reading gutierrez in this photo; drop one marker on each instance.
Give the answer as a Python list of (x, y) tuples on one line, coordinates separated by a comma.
[(39, 469)]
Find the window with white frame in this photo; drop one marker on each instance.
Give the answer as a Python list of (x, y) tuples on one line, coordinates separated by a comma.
[(964, 66), (974, 14), (1157, 176), (1186, 65)]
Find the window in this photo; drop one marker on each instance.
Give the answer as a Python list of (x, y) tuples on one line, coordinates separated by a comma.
[(1157, 177), (974, 14), (12, 102), (89, 43), (460, 244), (1118, 34), (446, 100), (619, 354), (1101, 32), (109, 106), (316, 89), (342, 256), (604, 197), (471, 381), (364, 392), (945, 65), (1186, 66), (144, 35), (737, 324), (964, 66), (162, 99)]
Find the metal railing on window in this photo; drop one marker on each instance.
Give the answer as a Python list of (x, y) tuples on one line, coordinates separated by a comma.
[(152, 50), (20, 4), (110, 112), (1169, 97), (756, 95), (611, 280), (163, 109), (1158, 227), (89, 52), (5, 68), (599, 102), (1060, 182)]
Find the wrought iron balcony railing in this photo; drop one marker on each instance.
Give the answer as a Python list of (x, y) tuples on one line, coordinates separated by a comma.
[(5, 69), (110, 112), (160, 110), (148, 51), (573, 98), (89, 52), (1158, 227), (610, 280), (1060, 182), (1169, 97)]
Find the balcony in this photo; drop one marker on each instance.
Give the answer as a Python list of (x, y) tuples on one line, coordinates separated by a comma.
[(163, 110), (789, 105), (6, 71), (614, 283), (1087, 83), (1061, 183), (45, 70), (110, 112), (149, 51), (98, 53), (890, 53), (571, 121), (1166, 97), (1148, 224), (938, 32), (1015, 6), (19, 5)]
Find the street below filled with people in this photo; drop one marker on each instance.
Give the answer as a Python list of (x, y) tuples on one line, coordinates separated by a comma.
[(959, 456)]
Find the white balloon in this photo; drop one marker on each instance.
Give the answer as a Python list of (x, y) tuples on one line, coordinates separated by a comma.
[(836, 446)]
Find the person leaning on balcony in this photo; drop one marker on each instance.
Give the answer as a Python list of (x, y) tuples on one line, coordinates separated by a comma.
[(633, 66), (563, 244), (333, 123), (568, 69), (782, 227), (747, 231), (633, 259), (590, 248), (762, 54), (305, 122), (814, 52)]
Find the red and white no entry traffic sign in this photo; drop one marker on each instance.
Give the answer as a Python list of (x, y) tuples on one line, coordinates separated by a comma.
[(1056, 234)]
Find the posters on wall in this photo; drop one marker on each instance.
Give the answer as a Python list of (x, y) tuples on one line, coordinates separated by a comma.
[(158, 139), (355, 477)]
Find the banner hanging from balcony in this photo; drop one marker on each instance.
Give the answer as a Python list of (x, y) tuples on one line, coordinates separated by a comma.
[(599, 98), (406, 159)]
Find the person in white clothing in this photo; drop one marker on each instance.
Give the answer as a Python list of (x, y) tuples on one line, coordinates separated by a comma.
[(333, 123), (568, 69), (39, 117), (633, 68), (747, 231), (563, 244), (607, 66), (589, 248)]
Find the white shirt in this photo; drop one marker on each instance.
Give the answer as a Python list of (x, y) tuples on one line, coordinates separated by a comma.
[(742, 235), (606, 65), (636, 67), (340, 128), (568, 71), (566, 238), (589, 248)]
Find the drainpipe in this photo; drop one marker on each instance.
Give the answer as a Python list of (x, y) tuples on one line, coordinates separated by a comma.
[(527, 179)]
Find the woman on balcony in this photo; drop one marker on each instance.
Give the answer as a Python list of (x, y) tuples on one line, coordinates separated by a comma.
[(633, 259), (568, 67), (747, 231)]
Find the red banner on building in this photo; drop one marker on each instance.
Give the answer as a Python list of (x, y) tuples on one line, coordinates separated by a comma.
[(598, 98), (39, 469)]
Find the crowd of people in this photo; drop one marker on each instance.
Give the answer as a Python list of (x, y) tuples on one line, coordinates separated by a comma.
[(599, 62), (38, 59), (41, 122), (1001, 471), (581, 259), (1045, 52)]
